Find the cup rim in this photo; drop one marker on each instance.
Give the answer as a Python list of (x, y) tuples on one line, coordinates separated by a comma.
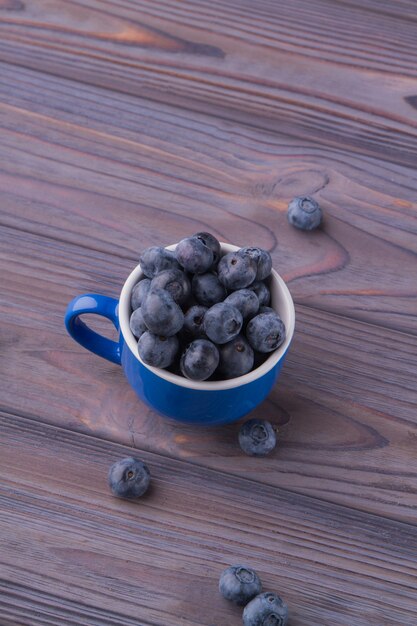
[(218, 385)]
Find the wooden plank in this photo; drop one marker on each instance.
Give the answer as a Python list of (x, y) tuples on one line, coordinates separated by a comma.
[(345, 405), (74, 555), (73, 170), (341, 73), (89, 176)]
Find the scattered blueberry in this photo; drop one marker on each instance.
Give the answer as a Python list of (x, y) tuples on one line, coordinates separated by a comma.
[(262, 291), (239, 584), (194, 255), (200, 360), (266, 609), (304, 213), (175, 282), (236, 358), (222, 322), (236, 270), (161, 313), (139, 292), (246, 301), (155, 259), (137, 323), (211, 242), (207, 289), (265, 332), (129, 478), (193, 321), (262, 259), (157, 350), (257, 437)]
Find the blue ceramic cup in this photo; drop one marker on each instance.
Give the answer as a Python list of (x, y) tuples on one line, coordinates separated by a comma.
[(206, 402)]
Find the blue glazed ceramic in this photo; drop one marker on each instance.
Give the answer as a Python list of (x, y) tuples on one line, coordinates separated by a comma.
[(207, 403)]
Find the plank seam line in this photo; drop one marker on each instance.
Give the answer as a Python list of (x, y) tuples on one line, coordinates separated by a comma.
[(225, 117), (367, 514)]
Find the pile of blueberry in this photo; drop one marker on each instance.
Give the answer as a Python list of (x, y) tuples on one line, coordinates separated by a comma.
[(242, 585), (204, 315)]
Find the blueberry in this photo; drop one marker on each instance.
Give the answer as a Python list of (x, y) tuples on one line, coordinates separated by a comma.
[(239, 584), (246, 301), (236, 358), (137, 323), (267, 309), (175, 282), (194, 255), (129, 478), (193, 321), (262, 259), (304, 213), (257, 437), (222, 322), (265, 332), (157, 350), (266, 609), (139, 292), (155, 259), (200, 359), (236, 270), (262, 291), (207, 289), (161, 313), (211, 242)]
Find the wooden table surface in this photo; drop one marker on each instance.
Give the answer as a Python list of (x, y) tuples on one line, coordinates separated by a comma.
[(130, 123)]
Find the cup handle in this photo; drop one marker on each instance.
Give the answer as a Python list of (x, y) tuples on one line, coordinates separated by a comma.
[(100, 305)]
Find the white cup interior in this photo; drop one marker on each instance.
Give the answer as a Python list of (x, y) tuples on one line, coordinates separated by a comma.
[(281, 301)]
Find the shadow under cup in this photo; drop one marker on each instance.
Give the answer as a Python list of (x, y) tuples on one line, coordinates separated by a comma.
[(206, 402)]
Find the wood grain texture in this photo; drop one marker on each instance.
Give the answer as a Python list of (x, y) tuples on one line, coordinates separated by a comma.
[(345, 405), (127, 123), (74, 171), (270, 64), (86, 558)]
